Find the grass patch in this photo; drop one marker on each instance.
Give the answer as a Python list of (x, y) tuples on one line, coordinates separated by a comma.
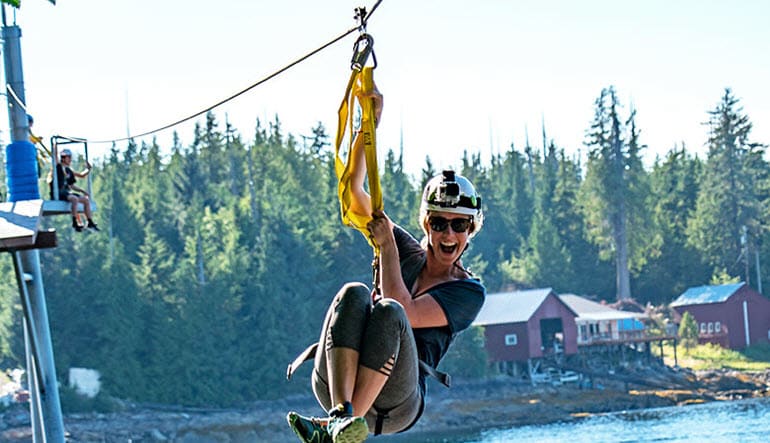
[(710, 356)]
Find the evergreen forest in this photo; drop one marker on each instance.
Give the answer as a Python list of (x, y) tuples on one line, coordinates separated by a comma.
[(216, 260)]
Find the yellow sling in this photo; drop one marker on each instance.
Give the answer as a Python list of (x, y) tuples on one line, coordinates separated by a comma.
[(361, 80)]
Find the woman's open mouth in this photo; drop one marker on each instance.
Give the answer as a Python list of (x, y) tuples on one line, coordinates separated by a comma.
[(448, 248)]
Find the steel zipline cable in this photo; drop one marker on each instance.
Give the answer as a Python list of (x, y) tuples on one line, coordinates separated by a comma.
[(361, 26)]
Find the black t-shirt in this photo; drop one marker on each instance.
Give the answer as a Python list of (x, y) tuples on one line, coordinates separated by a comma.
[(461, 301), (65, 178)]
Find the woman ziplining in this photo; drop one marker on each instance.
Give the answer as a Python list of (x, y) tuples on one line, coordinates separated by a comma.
[(377, 346)]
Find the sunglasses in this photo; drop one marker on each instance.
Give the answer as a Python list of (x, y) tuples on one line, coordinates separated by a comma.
[(459, 225)]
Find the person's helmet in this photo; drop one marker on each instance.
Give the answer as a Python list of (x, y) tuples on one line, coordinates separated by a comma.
[(450, 192), (65, 152)]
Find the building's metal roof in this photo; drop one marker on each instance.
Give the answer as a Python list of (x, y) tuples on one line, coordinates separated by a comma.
[(590, 310), (701, 295), (511, 307)]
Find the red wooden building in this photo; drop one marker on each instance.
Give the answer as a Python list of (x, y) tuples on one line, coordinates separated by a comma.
[(527, 324), (732, 315)]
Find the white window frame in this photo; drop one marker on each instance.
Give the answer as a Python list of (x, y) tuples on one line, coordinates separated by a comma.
[(703, 328), (711, 327), (511, 340), (717, 327)]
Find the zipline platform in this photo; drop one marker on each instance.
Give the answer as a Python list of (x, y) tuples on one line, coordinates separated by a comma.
[(60, 207), (20, 227)]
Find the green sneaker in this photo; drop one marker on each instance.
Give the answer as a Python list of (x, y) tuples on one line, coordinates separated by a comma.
[(344, 427), (309, 429)]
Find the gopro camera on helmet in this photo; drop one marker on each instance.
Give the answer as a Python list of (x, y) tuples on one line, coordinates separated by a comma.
[(449, 189), (451, 192)]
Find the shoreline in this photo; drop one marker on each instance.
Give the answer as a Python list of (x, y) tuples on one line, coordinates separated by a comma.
[(467, 406), (499, 405)]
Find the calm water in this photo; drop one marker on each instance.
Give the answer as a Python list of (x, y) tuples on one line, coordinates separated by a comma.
[(734, 422)]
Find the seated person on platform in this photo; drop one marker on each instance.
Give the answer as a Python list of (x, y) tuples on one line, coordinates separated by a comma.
[(65, 180)]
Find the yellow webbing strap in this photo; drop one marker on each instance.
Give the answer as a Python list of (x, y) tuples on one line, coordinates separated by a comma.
[(360, 81)]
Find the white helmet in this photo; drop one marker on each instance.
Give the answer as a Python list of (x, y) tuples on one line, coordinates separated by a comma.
[(450, 192)]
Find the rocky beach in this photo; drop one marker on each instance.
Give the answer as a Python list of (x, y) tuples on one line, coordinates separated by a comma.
[(502, 401)]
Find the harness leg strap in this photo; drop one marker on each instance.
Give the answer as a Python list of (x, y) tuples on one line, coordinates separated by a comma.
[(381, 416), (443, 378), (306, 355)]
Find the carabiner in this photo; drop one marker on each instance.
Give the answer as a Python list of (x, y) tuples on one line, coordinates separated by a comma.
[(361, 50)]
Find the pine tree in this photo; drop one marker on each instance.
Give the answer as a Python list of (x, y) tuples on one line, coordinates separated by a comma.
[(120, 218), (732, 191), (590, 275), (688, 331), (114, 312), (676, 264), (319, 145), (160, 352), (428, 172), (400, 199), (236, 156), (543, 250), (614, 187), (508, 206)]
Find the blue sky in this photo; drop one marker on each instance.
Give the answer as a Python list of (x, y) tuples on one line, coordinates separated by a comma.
[(456, 75)]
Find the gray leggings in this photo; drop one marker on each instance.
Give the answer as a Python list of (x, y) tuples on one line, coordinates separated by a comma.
[(381, 334)]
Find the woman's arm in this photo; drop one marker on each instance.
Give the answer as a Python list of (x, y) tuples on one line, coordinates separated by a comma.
[(85, 172), (361, 203), (423, 311)]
